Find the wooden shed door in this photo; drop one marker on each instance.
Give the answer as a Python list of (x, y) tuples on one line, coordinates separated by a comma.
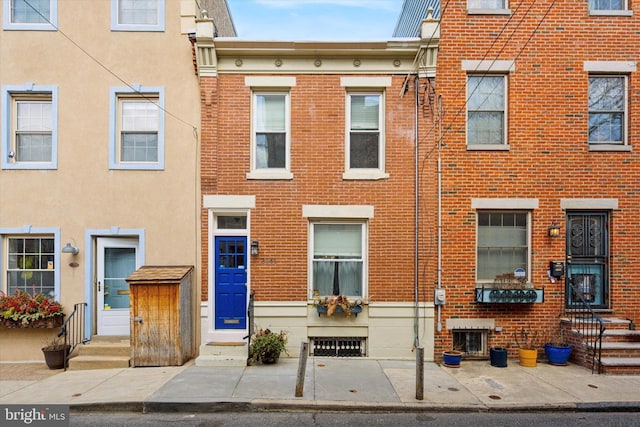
[(231, 283)]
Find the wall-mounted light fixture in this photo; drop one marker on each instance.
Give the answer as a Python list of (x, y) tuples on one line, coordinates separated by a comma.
[(255, 250), (68, 249), (554, 230)]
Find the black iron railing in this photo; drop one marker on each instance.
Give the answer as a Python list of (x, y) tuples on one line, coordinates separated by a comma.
[(73, 330), (250, 327), (588, 328)]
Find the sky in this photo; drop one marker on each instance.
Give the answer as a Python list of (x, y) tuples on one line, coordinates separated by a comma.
[(315, 20)]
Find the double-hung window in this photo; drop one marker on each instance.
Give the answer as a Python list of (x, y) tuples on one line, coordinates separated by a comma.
[(137, 15), (338, 258), (365, 138), (29, 114), (271, 131), (502, 244), (488, 7), (137, 128), (609, 7), (607, 109), (30, 15), (486, 109)]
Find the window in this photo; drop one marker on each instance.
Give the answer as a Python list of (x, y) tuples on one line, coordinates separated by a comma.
[(338, 254), (137, 128), (30, 265), (486, 107), (30, 14), (270, 142), (503, 244), (471, 342), (30, 115), (607, 5), (607, 109), (486, 4), (365, 140), (137, 15), (587, 259)]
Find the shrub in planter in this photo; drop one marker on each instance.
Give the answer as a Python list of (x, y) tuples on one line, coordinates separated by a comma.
[(55, 353), (22, 310), (266, 346)]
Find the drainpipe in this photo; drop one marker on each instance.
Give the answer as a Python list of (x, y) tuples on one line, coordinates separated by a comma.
[(416, 273), (439, 284)]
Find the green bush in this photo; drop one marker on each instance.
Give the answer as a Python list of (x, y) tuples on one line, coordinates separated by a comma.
[(266, 346)]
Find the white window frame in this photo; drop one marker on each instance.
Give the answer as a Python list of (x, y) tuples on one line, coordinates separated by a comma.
[(51, 25), (505, 143), (117, 26), (29, 232), (611, 145), (136, 92), (624, 11), (270, 173), (364, 233), (472, 10), (8, 119)]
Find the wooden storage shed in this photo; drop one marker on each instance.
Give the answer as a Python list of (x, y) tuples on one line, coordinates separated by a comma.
[(162, 323)]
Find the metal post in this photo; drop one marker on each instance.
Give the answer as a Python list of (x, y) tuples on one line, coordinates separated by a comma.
[(302, 368), (419, 373)]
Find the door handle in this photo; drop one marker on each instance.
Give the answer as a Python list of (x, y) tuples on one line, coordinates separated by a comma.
[(137, 319), (98, 286)]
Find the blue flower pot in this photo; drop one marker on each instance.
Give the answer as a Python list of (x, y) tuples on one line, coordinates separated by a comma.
[(557, 355), (498, 357), (452, 359)]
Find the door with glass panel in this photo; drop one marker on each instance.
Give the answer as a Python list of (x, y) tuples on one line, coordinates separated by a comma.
[(117, 259), (231, 282)]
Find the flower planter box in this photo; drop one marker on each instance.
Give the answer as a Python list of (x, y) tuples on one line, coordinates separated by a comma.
[(353, 310), (49, 322)]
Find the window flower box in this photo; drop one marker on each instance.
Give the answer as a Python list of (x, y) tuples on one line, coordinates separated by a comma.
[(338, 304), (21, 310)]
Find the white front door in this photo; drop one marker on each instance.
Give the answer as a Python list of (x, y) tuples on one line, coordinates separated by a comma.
[(117, 259)]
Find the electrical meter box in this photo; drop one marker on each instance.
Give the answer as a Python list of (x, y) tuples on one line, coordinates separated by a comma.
[(556, 268)]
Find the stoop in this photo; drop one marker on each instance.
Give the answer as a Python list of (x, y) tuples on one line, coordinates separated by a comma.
[(102, 352), (223, 354)]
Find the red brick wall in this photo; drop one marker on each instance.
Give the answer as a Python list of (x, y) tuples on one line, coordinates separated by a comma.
[(548, 157), (317, 162)]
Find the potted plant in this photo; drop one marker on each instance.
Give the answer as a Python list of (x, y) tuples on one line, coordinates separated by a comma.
[(557, 350), (22, 310), (266, 346), (55, 353), (527, 342), (452, 358)]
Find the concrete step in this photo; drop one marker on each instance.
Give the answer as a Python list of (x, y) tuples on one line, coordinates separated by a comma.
[(223, 354), (621, 365), (79, 363), (104, 349)]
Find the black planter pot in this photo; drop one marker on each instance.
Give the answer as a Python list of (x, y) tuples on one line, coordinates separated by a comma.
[(56, 358), (498, 356)]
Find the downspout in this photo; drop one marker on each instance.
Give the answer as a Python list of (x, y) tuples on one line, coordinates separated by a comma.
[(439, 284), (416, 273)]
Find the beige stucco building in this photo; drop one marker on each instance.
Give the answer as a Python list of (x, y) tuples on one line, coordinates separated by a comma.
[(99, 138)]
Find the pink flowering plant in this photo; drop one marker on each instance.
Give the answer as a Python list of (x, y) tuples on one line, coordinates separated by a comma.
[(24, 308)]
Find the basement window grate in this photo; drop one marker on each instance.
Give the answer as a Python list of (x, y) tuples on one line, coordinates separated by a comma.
[(338, 346)]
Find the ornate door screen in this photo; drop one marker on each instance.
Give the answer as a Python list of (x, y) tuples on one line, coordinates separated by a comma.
[(587, 259)]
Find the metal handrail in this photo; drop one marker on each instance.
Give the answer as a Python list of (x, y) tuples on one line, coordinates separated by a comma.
[(250, 328), (73, 330), (585, 320)]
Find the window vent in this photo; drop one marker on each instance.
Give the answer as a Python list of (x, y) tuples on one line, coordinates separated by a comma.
[(338, 346)]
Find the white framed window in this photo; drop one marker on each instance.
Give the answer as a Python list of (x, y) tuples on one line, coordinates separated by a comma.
[(137, 128), (137, 15), (488, 7), (607, 109), (36, 15), (270, 139), (609, 7), (30, 260), (30, 137), (503, 244), (338, 258), (486, 109)]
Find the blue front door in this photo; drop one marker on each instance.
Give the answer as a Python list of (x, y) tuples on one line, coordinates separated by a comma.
[(231, 282)]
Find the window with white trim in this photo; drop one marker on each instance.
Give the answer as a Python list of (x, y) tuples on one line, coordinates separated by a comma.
[(137, 15), (137, 128), (338, 258), (486, 109), (30, 117), (502, 244), (270, 140), (486, 4), (30, 15), (603, 5), (30, 265), (607, 109), (365, 138)]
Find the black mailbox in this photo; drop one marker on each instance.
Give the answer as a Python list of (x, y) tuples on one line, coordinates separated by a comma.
[(556, 268)]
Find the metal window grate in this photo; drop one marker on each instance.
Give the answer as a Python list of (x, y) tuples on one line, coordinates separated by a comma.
[(338, 346)]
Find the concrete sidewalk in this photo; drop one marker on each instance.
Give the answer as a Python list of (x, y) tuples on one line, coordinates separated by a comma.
[(330, 384)]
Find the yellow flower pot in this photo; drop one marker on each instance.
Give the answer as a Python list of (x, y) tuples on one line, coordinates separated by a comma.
[(528, 357)]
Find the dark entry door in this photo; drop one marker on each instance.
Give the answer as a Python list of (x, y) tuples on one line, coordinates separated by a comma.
[(231, 283)]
